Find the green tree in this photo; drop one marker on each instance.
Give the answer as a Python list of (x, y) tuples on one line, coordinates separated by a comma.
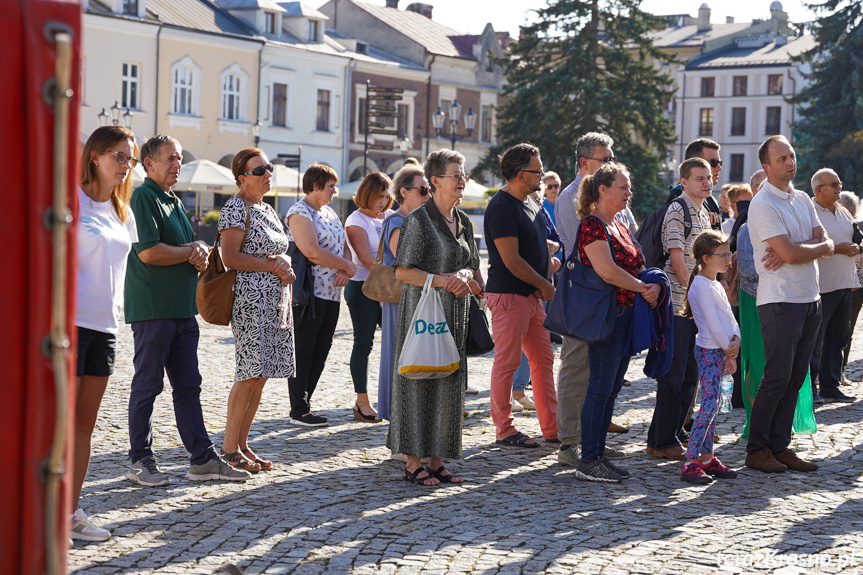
[(589, 66), (830, 129)]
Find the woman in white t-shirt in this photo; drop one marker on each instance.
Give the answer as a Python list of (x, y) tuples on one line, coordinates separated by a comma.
[(106, 231), (364, 228)]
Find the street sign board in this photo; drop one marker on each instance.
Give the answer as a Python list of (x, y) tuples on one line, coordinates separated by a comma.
[(380, 147), (382, 107), (377, 125), (383, 90), (384, 132), (386, 115), (388, 97)]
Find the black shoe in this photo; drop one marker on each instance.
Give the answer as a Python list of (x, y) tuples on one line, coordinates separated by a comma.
[(310, 420), (837, 397)]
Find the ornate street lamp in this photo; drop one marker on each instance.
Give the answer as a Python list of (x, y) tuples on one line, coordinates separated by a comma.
[(115, 113), (127, 118), (454, 114), (103, 117), (256, 131)]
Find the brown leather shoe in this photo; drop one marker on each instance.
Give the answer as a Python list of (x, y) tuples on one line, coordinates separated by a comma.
[(674, 452), (649, 450), (763, 460), (790, 459), (614, 428)]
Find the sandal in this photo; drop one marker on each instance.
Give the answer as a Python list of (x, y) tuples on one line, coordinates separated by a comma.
[(238, 461), (266, 464), (518, 439), (360, 416), (412, 477), (448, 478)]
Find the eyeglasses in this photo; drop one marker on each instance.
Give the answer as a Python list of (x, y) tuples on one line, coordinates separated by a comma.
[(608, 160), (424, 190), (540, 172), (460, 177), (259, 171), (834, 185), (724, 255), (714, 163), (123, 158)]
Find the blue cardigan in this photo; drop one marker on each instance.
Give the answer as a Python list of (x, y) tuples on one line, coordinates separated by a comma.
[(652, 328)]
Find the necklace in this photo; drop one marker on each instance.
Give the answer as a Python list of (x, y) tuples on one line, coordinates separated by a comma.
[(452, 221)]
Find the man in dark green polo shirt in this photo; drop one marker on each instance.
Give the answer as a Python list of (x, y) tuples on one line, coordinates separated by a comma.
[(160, 305)]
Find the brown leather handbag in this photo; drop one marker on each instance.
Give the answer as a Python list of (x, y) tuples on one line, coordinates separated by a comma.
[(215, 292), (381, 284)]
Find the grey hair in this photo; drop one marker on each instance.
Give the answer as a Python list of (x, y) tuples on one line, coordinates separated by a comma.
[(153, 146), (403, 179), (850, 201), (759, 176), (816, 177), (587, 143), (436, 163)]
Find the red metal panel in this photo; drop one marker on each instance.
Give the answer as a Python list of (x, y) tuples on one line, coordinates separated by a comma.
[(27, 410)]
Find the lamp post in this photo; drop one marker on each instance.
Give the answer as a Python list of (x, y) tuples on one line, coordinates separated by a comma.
[(404, 146), (454, 113), (256, 131), (115, 116)]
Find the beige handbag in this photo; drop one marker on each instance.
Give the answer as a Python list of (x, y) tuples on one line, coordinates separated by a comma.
[(215, 292), (381, 284)]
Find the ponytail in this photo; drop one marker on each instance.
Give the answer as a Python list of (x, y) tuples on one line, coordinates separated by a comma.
[(588, 193), (704, 245)]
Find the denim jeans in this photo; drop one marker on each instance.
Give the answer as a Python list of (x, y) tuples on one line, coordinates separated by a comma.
[(675, 389), (167, 345), (607, 369), (522, 375), (833, 336)]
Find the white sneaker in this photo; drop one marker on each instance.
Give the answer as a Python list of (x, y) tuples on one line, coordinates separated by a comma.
[(84, 530), (527, 403), (516, 406)]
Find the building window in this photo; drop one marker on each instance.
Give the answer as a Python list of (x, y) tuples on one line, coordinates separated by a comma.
[(280, 105), (313, 30), (323, 123), (130, 7), (489, 61), (740, 83), (130, 86), (231, 97), (774, 121), (705, 126), (708, 87), (183, 91), (269, 23), (738, 121), (402, 122), (485, 124), (736, 168), (774, 84)]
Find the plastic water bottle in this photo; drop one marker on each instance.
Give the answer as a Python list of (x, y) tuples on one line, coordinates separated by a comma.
[(726, 387)]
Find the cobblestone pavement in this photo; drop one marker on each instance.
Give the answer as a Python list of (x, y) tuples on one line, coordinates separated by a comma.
[(336, 504)]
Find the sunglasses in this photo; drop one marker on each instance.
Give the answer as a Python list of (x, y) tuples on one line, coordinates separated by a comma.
[(608, 160), (552, 186), (714, 163), (424, 190), (260, 170), (123, 158)]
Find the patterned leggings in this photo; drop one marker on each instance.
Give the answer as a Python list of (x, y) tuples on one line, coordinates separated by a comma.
[(710, 364)]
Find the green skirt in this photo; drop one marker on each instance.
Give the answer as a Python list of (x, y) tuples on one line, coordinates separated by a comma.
[(752, 365)]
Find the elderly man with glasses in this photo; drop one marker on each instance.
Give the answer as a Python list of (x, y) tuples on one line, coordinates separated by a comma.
[(837, 276)]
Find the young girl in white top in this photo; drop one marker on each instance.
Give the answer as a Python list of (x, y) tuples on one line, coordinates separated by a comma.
[(716, 347), (106, 230)]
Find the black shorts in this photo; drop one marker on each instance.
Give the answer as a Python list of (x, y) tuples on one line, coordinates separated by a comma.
[(96, 352)]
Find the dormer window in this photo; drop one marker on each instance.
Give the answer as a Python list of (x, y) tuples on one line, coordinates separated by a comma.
[(269, 23), (362, 48), (130, 7), (313, 30)]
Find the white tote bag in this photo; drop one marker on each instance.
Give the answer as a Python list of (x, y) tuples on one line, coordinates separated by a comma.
[(429, 351)]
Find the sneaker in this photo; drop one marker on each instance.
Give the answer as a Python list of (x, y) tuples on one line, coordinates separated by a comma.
[(516, 407), (816, 398), (837, 397), (611, 453), (619, 470), (310, 420), (84, 530), (694, 473), (147, 472), (597, 471), (715, 468), (570, 456), (527, 403), (217, 468)]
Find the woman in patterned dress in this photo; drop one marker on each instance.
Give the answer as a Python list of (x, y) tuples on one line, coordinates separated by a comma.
[(261, 319), (437, 238), (318, 233)]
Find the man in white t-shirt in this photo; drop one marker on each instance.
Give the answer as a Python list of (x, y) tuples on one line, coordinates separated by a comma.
[(783, 227)]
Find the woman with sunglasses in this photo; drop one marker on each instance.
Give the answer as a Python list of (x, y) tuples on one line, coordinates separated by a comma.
[(106, 231), (437, 240), (363, 228), (410, 189), (261, 319)]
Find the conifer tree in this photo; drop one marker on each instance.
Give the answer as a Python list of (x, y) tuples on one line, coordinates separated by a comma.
[(589, 66), (830, 130)]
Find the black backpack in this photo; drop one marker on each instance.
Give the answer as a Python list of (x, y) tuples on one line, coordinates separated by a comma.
[(649, 235)]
